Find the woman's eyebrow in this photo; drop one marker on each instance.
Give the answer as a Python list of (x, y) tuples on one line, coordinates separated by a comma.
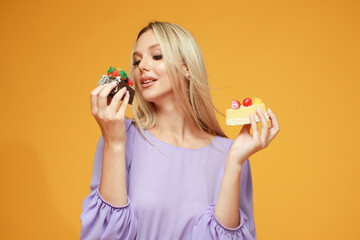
[(151, 47)]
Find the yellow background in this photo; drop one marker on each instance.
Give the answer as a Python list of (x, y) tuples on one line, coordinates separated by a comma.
[(300, 57)]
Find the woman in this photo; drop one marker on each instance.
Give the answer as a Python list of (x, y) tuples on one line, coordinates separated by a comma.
[(171, 173)]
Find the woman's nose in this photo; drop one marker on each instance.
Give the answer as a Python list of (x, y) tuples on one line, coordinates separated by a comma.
[(144, 65)]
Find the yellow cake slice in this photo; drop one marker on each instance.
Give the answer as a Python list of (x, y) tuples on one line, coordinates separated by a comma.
[(240, 114)]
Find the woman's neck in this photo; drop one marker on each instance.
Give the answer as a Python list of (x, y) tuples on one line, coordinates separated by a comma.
[(173, 121), (176, 127)]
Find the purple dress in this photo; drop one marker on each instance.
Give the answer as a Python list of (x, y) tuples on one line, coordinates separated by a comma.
[(172, 193)]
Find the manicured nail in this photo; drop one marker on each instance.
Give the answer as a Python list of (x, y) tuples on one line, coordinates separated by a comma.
[(258, 109), (269, 110)]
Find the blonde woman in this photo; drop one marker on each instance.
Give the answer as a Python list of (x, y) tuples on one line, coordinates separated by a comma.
[(171, 173)]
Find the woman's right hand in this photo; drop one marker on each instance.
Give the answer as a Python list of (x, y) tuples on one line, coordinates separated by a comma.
[(110, 120)]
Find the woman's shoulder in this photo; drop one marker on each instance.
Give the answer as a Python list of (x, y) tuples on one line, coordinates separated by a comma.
[(130, 125), (223, 141), (221, 144), (129, 122)]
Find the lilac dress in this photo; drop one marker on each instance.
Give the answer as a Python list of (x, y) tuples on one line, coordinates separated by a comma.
[(172, 193)]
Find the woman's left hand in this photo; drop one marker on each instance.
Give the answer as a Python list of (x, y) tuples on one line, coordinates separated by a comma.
[(246, 144)]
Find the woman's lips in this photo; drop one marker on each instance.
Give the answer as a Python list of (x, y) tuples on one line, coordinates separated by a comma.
[(148, 83)]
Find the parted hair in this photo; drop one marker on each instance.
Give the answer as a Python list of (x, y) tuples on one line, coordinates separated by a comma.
[(192, 93)]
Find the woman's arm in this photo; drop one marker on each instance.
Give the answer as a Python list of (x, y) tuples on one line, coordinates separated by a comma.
[(113, 175), (112, 124), (99, 218), (245, 145), (107, 212), (218, 225), (227, 204)]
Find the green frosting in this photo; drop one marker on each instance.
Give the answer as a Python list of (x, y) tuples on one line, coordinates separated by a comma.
[(110, 70), (123, 74)]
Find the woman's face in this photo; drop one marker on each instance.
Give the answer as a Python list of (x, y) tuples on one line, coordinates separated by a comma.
[(150, 72)]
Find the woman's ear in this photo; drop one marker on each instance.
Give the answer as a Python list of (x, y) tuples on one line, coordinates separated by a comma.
[(186, 71)]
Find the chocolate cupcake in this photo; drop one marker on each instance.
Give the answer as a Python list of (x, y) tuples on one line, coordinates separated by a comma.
[(122, 80)]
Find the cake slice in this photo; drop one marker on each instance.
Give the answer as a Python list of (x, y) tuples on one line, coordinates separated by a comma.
[(239, 114), (122, 80)]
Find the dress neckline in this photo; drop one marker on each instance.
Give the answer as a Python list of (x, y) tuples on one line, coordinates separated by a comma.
[(173, 146)]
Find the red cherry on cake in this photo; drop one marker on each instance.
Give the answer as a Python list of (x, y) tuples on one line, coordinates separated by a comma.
[(247, 102), (115, 73), (130, 83), (235, 104)]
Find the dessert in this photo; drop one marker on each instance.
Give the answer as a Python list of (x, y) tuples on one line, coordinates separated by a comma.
[(239, 114), (122, 80)]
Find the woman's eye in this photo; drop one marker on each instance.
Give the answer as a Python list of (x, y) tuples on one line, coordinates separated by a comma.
[(136, 63), (157, 57)]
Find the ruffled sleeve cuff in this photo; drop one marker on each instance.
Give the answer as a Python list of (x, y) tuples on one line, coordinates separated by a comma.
[(209, 227), (102, 220), (109, 204)]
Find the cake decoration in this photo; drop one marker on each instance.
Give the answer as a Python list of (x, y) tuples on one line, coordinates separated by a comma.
[(247, 102), (240, 114), (122, 80), (235, 104), (256, 101)]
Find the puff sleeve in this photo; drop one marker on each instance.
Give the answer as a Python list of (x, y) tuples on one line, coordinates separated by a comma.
[(100, 219), (208, 226)]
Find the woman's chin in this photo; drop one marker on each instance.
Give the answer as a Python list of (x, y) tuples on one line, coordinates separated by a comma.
[(150, 97), (156, 98)]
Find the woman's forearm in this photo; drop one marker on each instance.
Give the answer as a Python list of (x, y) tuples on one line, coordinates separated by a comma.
[(227, 204), (113, 175)]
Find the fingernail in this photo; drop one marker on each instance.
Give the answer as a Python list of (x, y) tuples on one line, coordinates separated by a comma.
[(258, 109), (269, 110), (123, 88)]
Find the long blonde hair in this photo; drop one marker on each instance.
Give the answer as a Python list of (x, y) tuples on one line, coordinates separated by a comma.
[(179, 47)]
